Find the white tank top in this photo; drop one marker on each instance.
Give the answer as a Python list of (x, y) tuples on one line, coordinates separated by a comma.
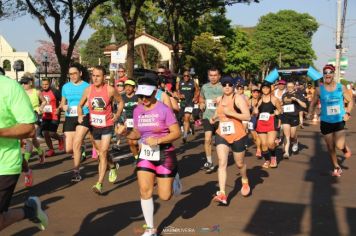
[(276, 94)]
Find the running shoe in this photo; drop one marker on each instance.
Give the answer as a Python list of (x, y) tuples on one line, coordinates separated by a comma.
[(40, 217), (258, 154), (273, 163), (220, 197), (50, 153), (210, 168), (348, 152), (266, 164), (97, 188), (112, 175), (83, 154), (149, 231), (245, 190), (337, 172), (206, 165), (115, 147), (61, 144), (76, 177), (177, 185), (28, 178), (286, 155), (295, 147)]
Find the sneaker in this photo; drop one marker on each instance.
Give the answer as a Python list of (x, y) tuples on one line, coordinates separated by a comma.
[(337, 172), (258, 154), (28, 178), (76, 177), (295, 147), (184, 140), (206, 165), (149, 232), (97, 188), (286, 155), (112, 175), (266, 164), (220, 197), (61, 144), (245, 190), (40, 216), (115, 147), (50, 153), (210, 168), (83, 154), (177, 185), (348, 153), (273, 163)]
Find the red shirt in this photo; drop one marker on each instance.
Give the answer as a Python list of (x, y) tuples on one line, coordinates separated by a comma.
[(50, 110), (100, 108)]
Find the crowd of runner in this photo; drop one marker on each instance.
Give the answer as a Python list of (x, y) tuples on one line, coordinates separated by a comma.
[(152, 112)]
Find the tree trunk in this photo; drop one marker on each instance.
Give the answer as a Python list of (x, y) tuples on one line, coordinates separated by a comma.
[(130, 56), (64, 65)]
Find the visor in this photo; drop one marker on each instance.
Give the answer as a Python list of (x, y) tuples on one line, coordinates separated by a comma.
[(145, 90), (130, 82)]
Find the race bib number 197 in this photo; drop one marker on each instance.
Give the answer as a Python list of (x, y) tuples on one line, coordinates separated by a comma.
[(150, 153)]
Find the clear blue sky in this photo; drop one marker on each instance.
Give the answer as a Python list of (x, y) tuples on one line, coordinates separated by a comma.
[(23, 32)]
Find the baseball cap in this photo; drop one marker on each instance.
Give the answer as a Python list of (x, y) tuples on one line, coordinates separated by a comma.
[(266, 84), (329, 67), (226, 79), (145, 89), (130, 82), (282, 82)]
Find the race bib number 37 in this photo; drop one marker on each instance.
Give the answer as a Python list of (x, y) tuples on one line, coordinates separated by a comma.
[(333, 110), (98, 120), (227, 128), (150, 153)]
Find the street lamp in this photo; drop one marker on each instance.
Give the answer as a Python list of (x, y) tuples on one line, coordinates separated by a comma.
[(38, 74), (18, 66), (45, 62)]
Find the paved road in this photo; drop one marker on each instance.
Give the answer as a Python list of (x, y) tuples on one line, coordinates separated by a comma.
[(297, 198)]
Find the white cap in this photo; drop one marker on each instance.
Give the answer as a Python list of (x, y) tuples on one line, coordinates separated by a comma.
[(145, 90)]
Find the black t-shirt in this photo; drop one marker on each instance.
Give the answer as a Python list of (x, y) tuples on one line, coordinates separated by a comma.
[(291, 108), (129, 105), (188, 90)]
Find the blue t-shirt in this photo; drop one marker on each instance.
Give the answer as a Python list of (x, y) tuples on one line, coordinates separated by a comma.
[(332, 104), (73, 93)]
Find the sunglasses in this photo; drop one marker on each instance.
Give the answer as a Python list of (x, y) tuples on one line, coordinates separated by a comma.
[(24, 83), (328, 72), (144, 96), (121, 71), (227, 84), (240, 88), (185, 75), (160, 72), (120, 85)]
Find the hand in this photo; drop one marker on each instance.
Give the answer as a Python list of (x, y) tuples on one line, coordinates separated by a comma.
[(346, 117), (115, 117), (202, 106), (293, 98), (65, 107), (152, 141), (80, 119)]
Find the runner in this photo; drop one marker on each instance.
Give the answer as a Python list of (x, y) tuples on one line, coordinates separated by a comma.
[(156, 126), (231, 110), (333, 115), (120, 88), (207, 101), (268, 107), (302, 93), (74, 131), (51, 117), (253, 102), (292, 103), (188, 93), (16, 122), (240, 89), (100, 96)]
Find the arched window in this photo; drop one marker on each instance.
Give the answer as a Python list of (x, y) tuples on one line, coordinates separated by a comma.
[(6, 65), (22, 65)]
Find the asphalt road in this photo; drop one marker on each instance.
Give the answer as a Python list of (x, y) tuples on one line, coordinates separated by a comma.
[(297, 198)]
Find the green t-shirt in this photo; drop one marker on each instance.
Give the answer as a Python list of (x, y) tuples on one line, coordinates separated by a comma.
[(15, 108), (210, 92)]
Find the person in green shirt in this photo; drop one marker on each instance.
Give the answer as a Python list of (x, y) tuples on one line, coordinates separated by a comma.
[(16, 122), (207, 103)]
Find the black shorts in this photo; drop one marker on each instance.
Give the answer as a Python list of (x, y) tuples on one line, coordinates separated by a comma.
[(50, 125), (328, 128), (293, 121), (38, 119), (7, 187), (71, 122), (210, 127), (97, 133), (166, 167), (237, 146)]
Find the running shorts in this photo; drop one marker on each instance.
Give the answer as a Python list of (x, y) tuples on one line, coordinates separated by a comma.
[(236, 146), (210, 127), (293, 121), (97, 133), (50, 125), (7, 187), (71, 123), (328, 128), (268, 125)]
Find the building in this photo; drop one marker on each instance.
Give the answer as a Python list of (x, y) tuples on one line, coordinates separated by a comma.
[(8, 56)]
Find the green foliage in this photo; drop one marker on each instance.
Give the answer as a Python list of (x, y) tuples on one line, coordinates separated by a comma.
[(206, 53)]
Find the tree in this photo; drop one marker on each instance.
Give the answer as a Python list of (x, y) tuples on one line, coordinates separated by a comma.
[(49, 48), (239, 57), (66, 12), (9, 10), (284, 39), (206, 52)]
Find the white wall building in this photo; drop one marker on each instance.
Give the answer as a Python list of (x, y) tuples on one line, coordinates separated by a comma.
[(8, 56)]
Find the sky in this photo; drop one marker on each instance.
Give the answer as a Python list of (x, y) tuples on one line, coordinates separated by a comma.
[(24, 32)]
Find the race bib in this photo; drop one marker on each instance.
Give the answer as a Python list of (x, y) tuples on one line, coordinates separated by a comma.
[(250, 126), (188, 109), (149, 153), (333, 110), (72, 111), (98, 120), (227, 128), (288, 108), (264, 116), (129, 123), (210, 104), (196, 106), (47, 109)]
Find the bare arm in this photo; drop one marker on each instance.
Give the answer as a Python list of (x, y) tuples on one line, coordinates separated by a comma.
[(277, 104), (313, 102), (133, 134), (119, 101), (240, 102), (349, 100), (166, 100), (42, 100), (83, 100), (174, 134), (19, 131)]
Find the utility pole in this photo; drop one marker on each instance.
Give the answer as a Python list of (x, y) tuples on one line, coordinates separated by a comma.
[(280, 59), (338, 42)]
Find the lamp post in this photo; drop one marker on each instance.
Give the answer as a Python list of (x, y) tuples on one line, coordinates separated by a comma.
[(17, 67), (45, 62), (38, 74)]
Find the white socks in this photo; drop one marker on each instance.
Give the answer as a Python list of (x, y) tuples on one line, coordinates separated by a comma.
[(147, 209), (209, 159)]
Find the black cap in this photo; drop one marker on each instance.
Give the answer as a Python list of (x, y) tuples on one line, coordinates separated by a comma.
[(227, 79), (25, 80), (266, 84)]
